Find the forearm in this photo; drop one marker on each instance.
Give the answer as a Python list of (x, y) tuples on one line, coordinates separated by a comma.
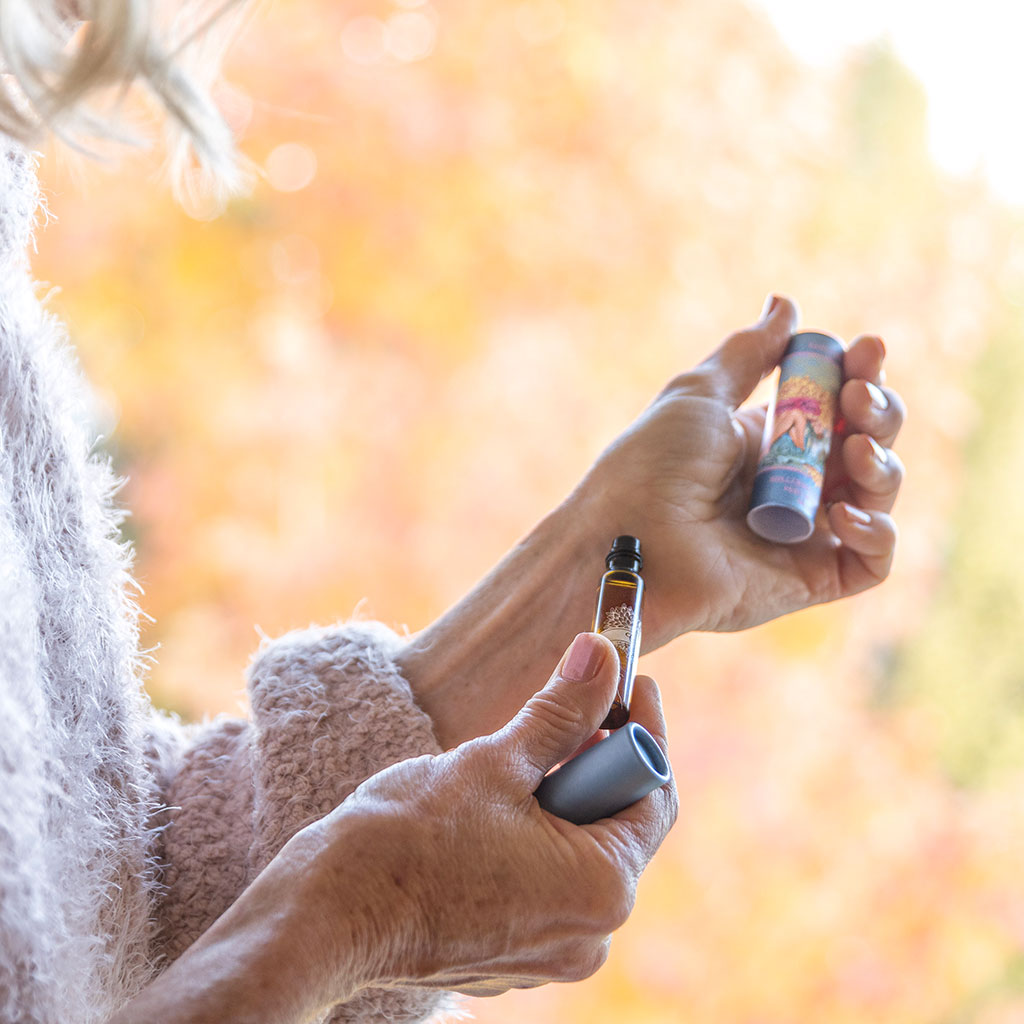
[(475, 666), (271, 958)]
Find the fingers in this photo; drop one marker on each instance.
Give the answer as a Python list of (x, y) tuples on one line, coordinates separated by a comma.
[(865, 404), (863, 470), (646, 709), (568, 711), (642, 827), (734, 369), (873, 474), (580, 960), (859, 516), (867, 408), (868, 541), (864, 358), (744, 358)]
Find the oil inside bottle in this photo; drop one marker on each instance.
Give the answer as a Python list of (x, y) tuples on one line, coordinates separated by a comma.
[(618, 617)]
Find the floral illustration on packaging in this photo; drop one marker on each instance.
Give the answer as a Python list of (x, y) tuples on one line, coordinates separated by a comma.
[(802, 431)]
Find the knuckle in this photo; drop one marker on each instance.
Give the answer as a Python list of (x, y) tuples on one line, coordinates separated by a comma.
[(605, 898), (889, 530), (887, 536), (699, 381), (541, 727), (612, 909), (743, 337), (897, 407), (897, 469), (618, 912), (473, 774), (584, 959), (594, 958), (671, 807), (474, 758), (551, 711)]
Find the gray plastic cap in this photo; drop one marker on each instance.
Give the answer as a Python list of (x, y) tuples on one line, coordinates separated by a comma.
[(606, 778)]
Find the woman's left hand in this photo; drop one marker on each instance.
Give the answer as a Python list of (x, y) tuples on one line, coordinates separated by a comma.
[(680, 478)]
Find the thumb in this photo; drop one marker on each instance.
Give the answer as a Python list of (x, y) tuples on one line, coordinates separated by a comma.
[(737, 366), (569, 710)]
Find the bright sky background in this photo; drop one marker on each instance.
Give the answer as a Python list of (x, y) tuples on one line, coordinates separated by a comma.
[(968, 56)]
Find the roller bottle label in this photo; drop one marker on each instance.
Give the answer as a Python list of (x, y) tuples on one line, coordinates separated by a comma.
[(618, 618)]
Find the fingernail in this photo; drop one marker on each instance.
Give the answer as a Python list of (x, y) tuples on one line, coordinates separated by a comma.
[(856, 515), (877, 396), (769, 304), (880, 453), (583, 659)]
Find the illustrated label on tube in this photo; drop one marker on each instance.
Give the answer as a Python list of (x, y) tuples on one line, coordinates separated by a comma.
[(797, 438)]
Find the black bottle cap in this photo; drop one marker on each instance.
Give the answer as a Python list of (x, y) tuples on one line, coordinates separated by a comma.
[(625, 554)]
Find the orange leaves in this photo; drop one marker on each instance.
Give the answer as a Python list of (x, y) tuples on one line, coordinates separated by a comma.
[(478, 250)]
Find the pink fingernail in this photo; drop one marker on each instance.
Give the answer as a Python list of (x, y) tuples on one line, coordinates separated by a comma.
[(769, 304), (583, 659), (856, 515), (880, 453), (877, 396)]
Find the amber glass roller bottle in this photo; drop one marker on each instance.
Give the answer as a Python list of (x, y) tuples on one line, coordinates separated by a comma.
[(619, 606)]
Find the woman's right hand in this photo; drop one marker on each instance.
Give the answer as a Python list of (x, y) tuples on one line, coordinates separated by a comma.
[(461, 880)]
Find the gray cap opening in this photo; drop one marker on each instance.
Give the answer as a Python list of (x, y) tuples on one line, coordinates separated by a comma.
[(647, 747)]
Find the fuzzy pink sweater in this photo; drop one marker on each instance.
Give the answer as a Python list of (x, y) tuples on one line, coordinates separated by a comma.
[(124, 834)]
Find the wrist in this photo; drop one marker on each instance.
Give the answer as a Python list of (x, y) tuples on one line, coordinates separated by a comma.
[(272, 957), (473, 669), (320, 881)]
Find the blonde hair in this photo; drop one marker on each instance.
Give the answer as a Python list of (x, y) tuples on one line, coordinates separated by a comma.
[(62, 56)]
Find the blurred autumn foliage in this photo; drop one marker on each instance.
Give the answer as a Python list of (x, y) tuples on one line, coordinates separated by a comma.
[(484, 236)]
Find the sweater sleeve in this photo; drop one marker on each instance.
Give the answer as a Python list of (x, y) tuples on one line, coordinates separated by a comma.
[(329, 709)]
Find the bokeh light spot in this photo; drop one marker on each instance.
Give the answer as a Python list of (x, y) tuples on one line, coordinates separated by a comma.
[(540, 21), (295, 259), (364, 40), (411, 35), (291, 166)]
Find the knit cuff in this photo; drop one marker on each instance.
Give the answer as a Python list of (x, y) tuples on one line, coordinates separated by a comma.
[(330, 709), (204, 831)]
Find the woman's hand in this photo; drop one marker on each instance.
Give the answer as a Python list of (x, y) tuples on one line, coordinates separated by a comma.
[(476, 888), (441, 872), (680, 479)]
